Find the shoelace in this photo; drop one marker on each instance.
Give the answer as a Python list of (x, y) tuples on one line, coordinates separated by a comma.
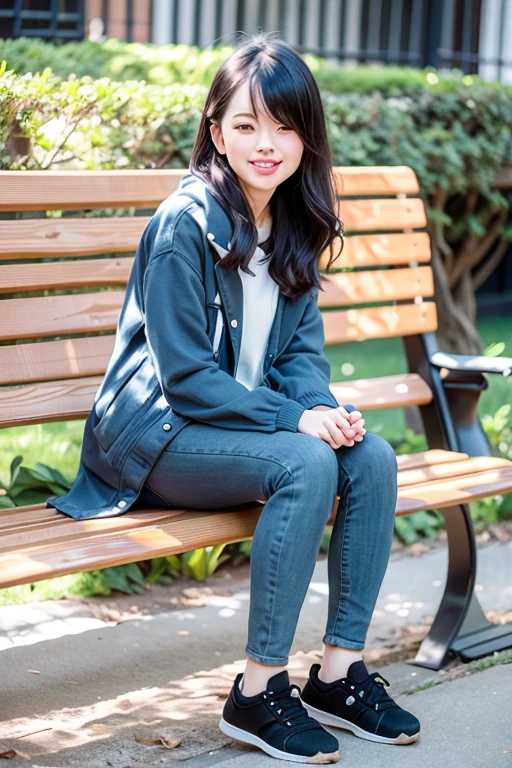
[(374, 693), (288, 705)]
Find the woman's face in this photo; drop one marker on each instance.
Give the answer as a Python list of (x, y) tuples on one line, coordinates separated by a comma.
[(248, 140)]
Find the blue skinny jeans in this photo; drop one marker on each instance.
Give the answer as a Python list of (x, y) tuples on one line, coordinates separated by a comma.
[(298, 476)]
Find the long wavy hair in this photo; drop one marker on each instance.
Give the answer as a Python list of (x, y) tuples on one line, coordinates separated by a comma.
[(304, 206)]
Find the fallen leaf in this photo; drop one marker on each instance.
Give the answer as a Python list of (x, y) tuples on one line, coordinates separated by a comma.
[(98, 728), (150, 741), (33, 671), (14, 753), (124, 705)]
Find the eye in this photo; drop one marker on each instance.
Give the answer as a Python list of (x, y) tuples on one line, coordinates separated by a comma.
[(244, 125)]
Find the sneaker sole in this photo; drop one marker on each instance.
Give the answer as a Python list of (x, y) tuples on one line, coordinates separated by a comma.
[(338, 722), (250, 738)]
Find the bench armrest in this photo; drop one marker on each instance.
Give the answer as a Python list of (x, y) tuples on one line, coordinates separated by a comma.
[(472, 363)]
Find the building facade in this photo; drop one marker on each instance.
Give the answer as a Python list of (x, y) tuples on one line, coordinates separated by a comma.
[(473, 35)]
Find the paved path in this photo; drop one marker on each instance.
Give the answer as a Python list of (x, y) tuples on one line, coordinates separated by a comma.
[(100, 686)]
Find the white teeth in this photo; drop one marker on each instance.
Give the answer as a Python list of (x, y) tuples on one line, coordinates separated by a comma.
[(265, 165)]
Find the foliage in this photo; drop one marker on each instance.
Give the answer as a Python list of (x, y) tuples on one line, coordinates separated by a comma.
[(29, 485), (132, 105), (166, 64)]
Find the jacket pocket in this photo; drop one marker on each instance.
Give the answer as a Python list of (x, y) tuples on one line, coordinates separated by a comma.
[(127, 408)]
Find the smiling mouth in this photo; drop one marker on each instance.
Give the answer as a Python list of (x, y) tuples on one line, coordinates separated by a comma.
[(263, 163)]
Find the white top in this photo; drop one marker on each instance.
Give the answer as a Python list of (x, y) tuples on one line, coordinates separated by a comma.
[(260, 303)]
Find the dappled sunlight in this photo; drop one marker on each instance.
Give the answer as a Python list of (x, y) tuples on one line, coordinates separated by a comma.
[(184, 712)]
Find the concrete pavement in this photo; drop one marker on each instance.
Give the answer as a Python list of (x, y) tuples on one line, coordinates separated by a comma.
[(78, 691)]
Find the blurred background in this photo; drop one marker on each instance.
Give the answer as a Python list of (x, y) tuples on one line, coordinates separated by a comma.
[(471, 34)]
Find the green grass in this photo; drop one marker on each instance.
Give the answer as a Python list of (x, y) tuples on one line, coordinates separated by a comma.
[(498, 658), (384, 357), (57, 445)]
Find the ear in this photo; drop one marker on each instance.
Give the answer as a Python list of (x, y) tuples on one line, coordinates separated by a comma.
[(217, 139)]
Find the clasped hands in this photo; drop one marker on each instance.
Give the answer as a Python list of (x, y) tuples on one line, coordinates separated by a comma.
[(334, 425)]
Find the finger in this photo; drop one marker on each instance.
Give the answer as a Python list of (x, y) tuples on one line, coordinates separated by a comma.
[(335, 432), (326, 437), (355, 416), (342, 424), (340, 409)]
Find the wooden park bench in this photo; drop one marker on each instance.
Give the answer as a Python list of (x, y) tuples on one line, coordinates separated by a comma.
[(54, 349)]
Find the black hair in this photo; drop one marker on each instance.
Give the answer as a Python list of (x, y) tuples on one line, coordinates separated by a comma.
[(304, 206)]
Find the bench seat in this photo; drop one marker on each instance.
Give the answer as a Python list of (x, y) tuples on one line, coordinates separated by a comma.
[(35, 540)]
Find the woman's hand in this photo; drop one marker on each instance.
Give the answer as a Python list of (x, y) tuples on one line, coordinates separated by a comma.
[(334, 425)]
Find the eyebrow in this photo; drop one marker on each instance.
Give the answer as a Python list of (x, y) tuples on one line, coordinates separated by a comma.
[(245, 114)]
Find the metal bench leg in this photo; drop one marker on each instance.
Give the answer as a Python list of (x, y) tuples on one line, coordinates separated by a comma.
[(460, 626)]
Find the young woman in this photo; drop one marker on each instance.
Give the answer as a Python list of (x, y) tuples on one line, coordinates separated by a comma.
[(217, 393)]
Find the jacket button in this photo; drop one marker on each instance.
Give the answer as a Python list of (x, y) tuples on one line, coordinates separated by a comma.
[(234, 323), (166, 427), (121, 504), (215, 355)]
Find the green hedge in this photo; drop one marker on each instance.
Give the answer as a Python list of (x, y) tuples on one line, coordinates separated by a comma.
[(166, 64), (455, 138)]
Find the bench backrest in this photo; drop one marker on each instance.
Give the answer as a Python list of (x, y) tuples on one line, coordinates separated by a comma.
[(57, 330)]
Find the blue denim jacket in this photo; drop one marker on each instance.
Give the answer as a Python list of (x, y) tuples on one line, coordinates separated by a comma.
[(165, 370)]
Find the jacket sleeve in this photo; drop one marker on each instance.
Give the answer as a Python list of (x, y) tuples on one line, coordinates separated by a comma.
[(191, 380), (302, 372)]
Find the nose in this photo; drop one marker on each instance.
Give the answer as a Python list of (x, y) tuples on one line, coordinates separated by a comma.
[(264, 143)]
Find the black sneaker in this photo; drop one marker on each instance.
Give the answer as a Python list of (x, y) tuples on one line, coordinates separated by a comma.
[(276, 722), (359, 703)]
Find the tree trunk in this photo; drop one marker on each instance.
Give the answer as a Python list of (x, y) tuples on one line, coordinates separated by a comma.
[(456, 330)]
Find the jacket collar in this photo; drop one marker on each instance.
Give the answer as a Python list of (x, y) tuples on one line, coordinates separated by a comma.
[(219, 228)]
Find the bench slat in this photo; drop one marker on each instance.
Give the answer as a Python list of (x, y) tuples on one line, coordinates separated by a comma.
[(69, 274), (467, 466), (60, 315), (90, 312), (379, 322), (347, 288), (73, 398), (25, 238), (439, 494), (384, 180), (385, 214), (55, 360), (380, 250), (23, 191), (196, 528), (341, 289), (45, 238), (52, 401), (76, 190), (394, 391)]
